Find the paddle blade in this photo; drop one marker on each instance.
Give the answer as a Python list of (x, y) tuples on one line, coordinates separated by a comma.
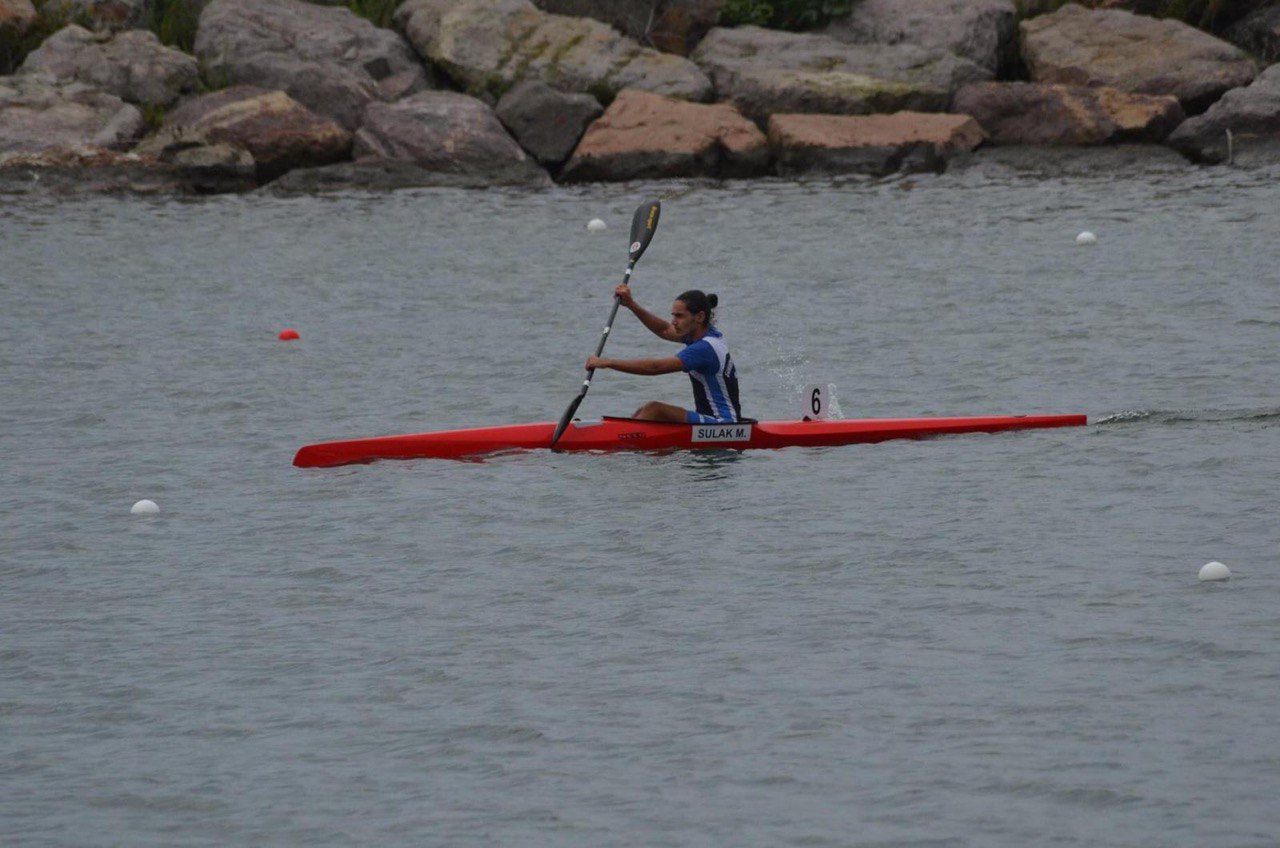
[(567, 417), (642, 227)]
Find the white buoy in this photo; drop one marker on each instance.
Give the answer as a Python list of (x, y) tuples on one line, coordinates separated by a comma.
[(145, 507), (1086, 238), (1215, 571), (595, 225)]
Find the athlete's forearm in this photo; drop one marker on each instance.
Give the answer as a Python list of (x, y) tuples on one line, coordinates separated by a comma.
[(644, 367), (657, 326)]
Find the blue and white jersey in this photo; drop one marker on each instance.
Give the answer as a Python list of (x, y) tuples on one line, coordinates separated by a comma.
[(715, 380)]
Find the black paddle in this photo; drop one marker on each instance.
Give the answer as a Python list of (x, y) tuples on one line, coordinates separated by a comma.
[(642, 227)]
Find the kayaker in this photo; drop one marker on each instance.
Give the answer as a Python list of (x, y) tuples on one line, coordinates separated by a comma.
[(705, 357)]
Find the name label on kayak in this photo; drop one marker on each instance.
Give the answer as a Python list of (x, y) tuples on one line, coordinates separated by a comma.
[(722, 433)]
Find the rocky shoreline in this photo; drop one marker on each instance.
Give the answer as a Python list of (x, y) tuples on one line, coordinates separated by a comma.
[(308, 97)]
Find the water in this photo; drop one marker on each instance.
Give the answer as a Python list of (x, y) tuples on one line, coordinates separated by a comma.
[(973, 641)]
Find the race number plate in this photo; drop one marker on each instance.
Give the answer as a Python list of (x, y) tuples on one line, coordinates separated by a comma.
[(721, 432), (816, 402)]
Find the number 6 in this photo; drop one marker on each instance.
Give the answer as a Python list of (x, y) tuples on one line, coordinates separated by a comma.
[(814, 401)]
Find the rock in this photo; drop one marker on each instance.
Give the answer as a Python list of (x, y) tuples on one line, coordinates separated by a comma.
[(870, 144), (212, 168), (545, 121), (647, 136), (672, 26), (103, 15), (1077, 46), (446, 132), (17, 16), (1259, 33), (982, 31), (278, 131), (327, 59), (132, 65), (68, 172), (37, 115), (682, 24), (403, 84), (487, 46), (1029, 113), (765, 71), (1252, 114)]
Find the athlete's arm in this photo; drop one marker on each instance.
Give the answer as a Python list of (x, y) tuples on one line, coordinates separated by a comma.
[(647, 367), (660, 327)]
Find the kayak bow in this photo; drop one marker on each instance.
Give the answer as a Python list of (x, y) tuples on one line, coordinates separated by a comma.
[(629, 434)]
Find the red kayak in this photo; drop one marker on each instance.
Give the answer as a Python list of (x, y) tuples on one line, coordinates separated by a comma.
[(628, 434)]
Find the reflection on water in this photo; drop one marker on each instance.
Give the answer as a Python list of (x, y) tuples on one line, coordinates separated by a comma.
[(708, 466)]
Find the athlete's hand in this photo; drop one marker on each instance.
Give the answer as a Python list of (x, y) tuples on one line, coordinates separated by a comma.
[(595, 362), (623, 293)]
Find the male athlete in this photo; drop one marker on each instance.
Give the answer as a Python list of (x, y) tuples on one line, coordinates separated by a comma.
[(705, 357)]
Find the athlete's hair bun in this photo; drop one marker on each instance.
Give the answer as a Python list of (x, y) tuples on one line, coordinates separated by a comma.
[(714, 300)]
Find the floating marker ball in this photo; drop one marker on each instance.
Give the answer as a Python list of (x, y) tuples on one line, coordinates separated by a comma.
[(595, 225), (1086, 238), (145, 507), (1215, 571), (288, 335)]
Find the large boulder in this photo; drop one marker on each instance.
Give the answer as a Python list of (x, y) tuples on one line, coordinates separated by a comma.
[(487, 46), (327, 59), (870, 144), (278, 131), (1078, 46), (763, 72), (672, 26), (132, 65), (1259, 33), (546, 121), (447, 132), (1030, 113), (647, 136), (983, 31), (1250, 114), (37, 115)]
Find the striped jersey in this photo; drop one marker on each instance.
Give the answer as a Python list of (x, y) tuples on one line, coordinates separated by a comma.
[(715, 380)]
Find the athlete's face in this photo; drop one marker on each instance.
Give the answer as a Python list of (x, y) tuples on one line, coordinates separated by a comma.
[(685, 322)]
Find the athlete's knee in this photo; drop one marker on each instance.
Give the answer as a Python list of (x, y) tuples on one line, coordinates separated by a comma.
[(648, 411)]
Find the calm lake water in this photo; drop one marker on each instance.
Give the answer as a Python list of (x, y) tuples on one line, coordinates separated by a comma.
[(993, 640)]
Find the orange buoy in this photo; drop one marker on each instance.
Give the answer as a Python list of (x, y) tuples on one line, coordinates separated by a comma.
[(288, 335)]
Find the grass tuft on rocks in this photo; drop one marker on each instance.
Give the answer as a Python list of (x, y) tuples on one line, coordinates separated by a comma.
[(175, 22), (794, 15), (377, 12), (51, 18)]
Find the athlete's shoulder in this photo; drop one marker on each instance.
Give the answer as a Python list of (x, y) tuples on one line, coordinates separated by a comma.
[(698, 356), (712, 334)]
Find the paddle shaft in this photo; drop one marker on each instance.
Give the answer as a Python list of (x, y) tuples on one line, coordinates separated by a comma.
[(591, 372), (643, 224)]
